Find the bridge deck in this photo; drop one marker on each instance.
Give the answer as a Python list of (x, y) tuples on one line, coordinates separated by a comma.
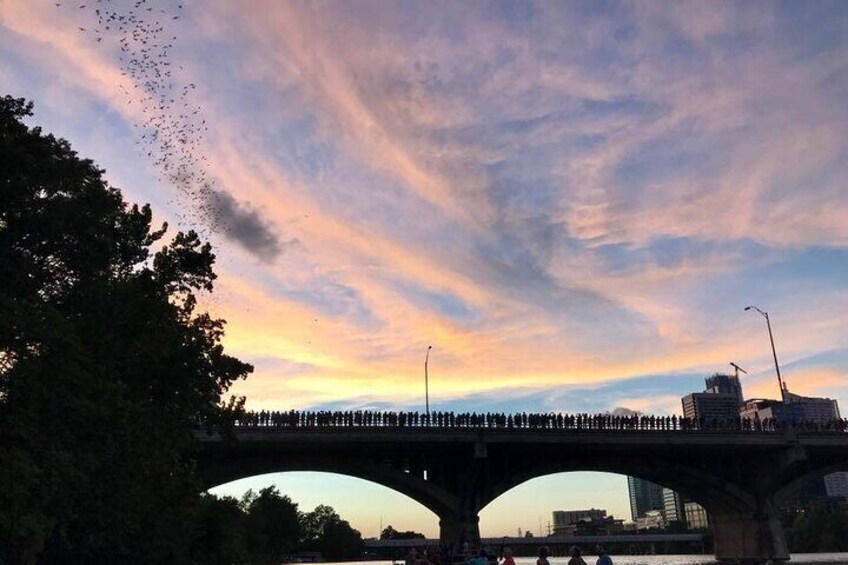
[(423, 435)]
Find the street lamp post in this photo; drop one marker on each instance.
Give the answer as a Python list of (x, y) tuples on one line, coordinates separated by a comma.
[(773, 350), (427, 383)]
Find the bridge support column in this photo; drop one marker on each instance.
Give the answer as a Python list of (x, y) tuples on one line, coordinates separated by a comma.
[(459, 533), (749, 537)]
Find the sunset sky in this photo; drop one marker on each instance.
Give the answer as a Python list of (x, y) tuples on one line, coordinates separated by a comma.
[(571, 202)]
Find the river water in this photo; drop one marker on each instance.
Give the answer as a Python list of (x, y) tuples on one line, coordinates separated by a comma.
[(805, 558)]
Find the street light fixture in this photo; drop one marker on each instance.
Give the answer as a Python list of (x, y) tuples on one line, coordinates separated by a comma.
[(427, 383), (773, 351)]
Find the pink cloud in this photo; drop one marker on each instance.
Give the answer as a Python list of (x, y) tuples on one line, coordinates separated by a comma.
[(421, 213)]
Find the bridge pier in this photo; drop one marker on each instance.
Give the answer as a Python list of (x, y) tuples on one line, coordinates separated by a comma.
[(458, 532), (753, 536)]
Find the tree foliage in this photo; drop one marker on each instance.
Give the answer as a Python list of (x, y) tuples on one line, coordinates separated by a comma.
[(221, 537), (326, 532), (273, 525), (105, 363), (266, 527), (390, 533), (817, 528)]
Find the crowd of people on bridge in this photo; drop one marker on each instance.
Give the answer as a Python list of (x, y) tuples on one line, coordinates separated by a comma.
[(520, 421)]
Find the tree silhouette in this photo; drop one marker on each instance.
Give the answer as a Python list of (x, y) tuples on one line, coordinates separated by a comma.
[(221, 538), (390, 533), (105, 363), (325, 531), (272, 524)]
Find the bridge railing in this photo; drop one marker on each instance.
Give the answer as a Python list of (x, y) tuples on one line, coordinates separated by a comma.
[(366, 419)]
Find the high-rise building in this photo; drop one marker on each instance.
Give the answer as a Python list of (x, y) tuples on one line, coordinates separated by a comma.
[(644, 497), (677, 508), (719, 401), (672, 506), (710, 406), (725, 384)]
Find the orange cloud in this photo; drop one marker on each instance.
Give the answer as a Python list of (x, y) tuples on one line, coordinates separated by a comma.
[(426, 244)]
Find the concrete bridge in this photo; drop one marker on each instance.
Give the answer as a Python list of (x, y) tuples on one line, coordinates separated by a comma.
[(740, 477)]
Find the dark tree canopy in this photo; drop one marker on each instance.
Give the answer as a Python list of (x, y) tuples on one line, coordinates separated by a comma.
[(325, 531), (817, 528), (266, 528), (273, 525), (105, 364), (221, 537), (390, 533)]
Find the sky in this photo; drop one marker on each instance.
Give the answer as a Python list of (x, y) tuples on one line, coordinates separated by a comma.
[(571, 202)]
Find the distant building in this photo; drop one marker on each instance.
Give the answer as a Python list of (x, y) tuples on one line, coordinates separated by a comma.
[(628, 527), (688, 513), (710, 406), (696, 516), (797, 408), (591, 522), (719, 401), (645, 496), (811, 408), (725, 384), (563, 519), (672, 506), (820, 410), (836, 485), (651, 520), (762, 409)]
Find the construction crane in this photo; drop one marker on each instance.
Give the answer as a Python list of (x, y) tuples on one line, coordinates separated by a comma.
[(738, 368)]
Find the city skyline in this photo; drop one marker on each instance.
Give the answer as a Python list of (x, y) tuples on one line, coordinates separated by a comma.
[(571, 204)]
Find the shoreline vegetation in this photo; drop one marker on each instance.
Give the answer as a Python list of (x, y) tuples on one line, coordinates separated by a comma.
[(106, 363), (267, 527)]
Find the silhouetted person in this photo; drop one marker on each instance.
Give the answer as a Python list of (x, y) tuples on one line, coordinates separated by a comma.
[(481, 559), (603, 557), (543, 556), (507, 557), (576, 558)]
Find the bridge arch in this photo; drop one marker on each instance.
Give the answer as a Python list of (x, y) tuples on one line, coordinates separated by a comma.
[(383, 507), (528, 505), (790, 482), (411, 485), (694, 483), (456, 472)]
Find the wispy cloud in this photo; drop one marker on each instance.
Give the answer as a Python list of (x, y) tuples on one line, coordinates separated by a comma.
[(553, 195)]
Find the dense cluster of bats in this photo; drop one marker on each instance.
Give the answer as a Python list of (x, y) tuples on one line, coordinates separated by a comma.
[(172, 127)]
